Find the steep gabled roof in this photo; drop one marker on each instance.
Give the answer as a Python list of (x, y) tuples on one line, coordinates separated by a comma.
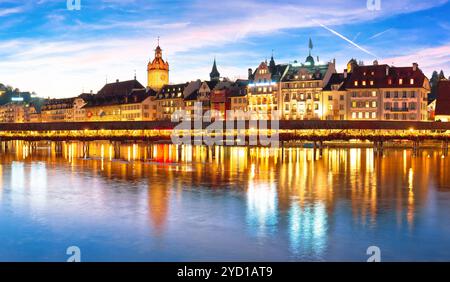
[(336, 79), (384, 76), (119, 88), (316, 71)]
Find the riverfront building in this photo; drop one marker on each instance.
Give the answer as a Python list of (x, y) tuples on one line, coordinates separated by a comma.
[(308, 90), (383, 92)]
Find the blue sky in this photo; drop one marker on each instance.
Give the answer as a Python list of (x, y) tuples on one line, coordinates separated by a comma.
[(46, 48)]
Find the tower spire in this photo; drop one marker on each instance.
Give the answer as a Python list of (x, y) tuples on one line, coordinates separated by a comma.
[(214, 75), (310, 46)]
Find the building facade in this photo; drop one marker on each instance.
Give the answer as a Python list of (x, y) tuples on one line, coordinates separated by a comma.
[(383, 92), (264, 89)]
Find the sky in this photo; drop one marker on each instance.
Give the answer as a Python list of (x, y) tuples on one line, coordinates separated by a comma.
[(55, 51)]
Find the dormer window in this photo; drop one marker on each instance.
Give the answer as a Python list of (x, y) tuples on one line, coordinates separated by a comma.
[(364, 83), (371, 82), (400, 81), (356, 83), (390, 81), (411, 81)]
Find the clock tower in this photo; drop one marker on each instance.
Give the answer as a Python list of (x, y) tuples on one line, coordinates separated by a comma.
[(158, 71)]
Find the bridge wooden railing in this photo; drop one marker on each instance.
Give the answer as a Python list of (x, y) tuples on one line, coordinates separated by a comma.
[(312, 130)]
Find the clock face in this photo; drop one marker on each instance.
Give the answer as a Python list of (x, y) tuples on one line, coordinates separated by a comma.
[(163, 77)]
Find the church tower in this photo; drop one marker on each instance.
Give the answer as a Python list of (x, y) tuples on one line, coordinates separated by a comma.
[(158, 71), (214, 75)]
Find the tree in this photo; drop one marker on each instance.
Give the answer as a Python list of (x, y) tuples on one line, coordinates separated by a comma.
[(433, 84)]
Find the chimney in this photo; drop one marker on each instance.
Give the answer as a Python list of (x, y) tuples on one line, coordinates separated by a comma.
[(375, 63), (250, 73), (117, 81), (387, 70), (415, 66)]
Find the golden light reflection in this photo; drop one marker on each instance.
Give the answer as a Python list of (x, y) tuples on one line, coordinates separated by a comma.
[(271, 181)]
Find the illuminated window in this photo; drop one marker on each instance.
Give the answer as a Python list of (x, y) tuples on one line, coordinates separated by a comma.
[(411, 81), (371, 82), (356, 83), (364, 83), (354, 115), (400, 81), (374, 115), (367, 115)]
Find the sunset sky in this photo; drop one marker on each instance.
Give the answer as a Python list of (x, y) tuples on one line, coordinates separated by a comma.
[(46, 48)]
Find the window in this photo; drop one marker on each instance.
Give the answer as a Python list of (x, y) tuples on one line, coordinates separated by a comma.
[(374, 115), (411, 81), (356, 83), (374, 104), (387, 106), (413, 94), (364, 83), (371, 82), (330, 98), (360, 115), (387, 116), (354, 115), (353, 104), (341, 97), (367, 115), (400, 81), (388, 94)]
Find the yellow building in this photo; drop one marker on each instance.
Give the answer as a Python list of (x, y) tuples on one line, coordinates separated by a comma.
[(264, 89), (13, 113), (170, 99), (158, 71), (57, 110), (335, 99)]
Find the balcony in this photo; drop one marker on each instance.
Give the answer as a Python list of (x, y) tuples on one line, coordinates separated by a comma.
[(399, 110)]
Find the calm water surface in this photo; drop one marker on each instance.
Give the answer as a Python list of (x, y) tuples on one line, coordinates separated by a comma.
[(168, 203)]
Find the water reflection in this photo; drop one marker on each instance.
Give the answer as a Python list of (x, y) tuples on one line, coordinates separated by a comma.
[(287, 203)]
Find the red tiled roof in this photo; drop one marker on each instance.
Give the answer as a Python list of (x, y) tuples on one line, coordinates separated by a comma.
[(384, 76), (443, 98)]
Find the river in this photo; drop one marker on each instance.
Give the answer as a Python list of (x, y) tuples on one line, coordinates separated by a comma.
[(183, 203)]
